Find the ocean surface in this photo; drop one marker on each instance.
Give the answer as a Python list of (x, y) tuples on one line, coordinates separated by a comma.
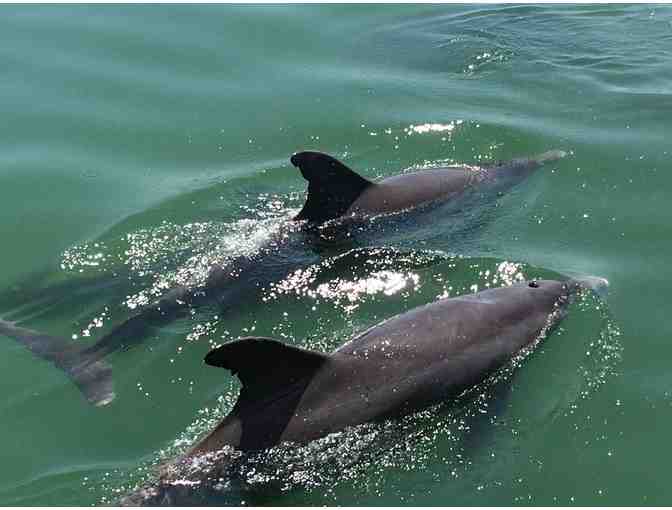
[(140, 144)]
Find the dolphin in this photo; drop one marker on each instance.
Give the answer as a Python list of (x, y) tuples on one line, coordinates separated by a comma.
[(336, 194), (417, 359), (407, 363)]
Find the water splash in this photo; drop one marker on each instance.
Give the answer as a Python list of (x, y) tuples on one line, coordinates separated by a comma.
[(425, 128), (347, 280)]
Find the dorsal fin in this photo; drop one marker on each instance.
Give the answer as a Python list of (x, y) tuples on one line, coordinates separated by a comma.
[(264, 364), (332, 186)]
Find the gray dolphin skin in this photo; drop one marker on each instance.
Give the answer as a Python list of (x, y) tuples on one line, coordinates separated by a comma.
[(404, 364), (334, 192), (422, 357)]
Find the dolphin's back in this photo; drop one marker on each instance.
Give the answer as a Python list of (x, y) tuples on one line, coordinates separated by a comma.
[(450, 324), (405, 191), (438, 350)]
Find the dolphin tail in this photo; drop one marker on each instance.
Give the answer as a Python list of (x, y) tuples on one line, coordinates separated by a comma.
[(597, 284), (91, 375)]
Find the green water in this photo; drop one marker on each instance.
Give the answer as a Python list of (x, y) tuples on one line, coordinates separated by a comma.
[(139, 143)]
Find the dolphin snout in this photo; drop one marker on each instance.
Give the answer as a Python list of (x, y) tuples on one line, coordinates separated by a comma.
[(294, 159), (597, 284)]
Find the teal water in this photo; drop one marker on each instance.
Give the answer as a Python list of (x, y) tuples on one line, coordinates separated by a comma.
[(140, 143)]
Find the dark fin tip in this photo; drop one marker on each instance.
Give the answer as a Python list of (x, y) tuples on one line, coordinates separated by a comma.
[(332, 186), (263, 364)]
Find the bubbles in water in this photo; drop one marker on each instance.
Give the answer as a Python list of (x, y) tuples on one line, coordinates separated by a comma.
[(86, 257), (346, 280), (604, 352), (96, 322), (447, 129), (486, 60)]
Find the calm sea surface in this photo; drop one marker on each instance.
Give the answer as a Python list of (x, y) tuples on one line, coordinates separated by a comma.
[(139, 144)]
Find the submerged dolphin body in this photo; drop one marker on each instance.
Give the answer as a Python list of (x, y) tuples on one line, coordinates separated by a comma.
[(335, 192), (414, 360)]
